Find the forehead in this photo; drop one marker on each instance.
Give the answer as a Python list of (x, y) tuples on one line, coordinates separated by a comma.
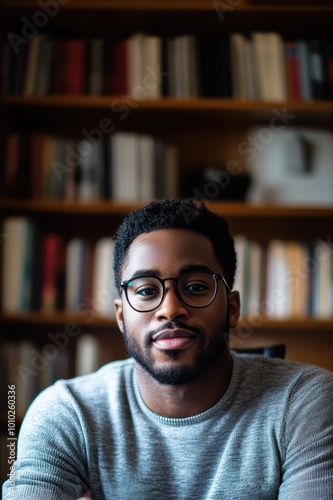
[(167, 250)]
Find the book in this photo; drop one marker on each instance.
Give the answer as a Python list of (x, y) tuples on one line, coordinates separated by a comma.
[(278, 296), (152, 80), (241, 282), (317, 69), (239, 56), (104, 292), (87, 354), (270, 77), (135, 65), (256, 272), (304, 70), (74, 67), (14, 262), (146, 167), (31, 68), (53, 269), (293, 71), (74, 274), (323, 279), (11, 165), (95, 56), (44, 65)]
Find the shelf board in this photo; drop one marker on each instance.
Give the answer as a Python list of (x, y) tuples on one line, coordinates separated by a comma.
[(30, 207), (231, 209), (61, 318), (176, 5), (291, 324), (179, 113), (167, 103), (56, 319)]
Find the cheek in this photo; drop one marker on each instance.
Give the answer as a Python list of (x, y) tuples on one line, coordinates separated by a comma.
[(135, 323)]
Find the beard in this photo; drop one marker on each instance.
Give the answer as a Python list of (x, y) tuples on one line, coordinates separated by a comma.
[(204, 355)]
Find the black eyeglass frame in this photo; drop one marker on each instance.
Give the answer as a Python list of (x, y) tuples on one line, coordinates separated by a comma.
[(217, 277)]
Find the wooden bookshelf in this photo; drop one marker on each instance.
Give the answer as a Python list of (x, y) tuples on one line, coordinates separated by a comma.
[(203, 128)]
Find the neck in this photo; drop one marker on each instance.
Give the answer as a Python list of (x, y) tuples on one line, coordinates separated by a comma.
[(187, 400)]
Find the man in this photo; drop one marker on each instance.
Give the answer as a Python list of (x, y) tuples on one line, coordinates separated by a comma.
[(183, 418)]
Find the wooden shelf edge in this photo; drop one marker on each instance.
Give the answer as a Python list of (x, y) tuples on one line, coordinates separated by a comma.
[(28, 207), (167, 103), (85, 319), (202, 5), (228, 209), (288, 324)]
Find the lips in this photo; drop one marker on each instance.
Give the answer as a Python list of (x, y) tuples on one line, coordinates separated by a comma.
[(173, 339)]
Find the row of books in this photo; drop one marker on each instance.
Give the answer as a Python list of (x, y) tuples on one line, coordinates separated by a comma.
[(43, 272), (261, 66), (24, 365), (285, 279), (124, 167), (32, 367)]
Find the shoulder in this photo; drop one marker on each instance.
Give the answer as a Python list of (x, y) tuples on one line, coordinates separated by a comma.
[(81, 394), (293, 379)]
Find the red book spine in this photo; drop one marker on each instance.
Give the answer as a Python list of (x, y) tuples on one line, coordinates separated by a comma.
[(293, 71), (75, 67), (37, 143), (121, 67), (52, 254), (11, 165)]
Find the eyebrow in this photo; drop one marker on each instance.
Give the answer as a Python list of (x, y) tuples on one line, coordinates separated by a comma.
[(195, 268), (188, 268)]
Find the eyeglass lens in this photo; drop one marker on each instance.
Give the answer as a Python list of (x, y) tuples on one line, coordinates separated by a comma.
[(196, 290)]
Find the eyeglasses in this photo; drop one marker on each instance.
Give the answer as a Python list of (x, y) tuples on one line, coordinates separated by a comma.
[(146, 293)]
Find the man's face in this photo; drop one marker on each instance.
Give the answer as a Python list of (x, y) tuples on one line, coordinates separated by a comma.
[(175, 343)]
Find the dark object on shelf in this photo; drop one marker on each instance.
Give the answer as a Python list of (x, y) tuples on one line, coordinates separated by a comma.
[(273, 351), (213, 183)]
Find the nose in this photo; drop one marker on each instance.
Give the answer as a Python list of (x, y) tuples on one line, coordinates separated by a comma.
[(172, 306)]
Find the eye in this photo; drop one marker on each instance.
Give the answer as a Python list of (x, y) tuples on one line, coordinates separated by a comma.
[(144, 288), (147, 291), (195, 288)]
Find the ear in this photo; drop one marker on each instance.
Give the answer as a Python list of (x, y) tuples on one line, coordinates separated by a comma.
[(119, 314), (234, 308)]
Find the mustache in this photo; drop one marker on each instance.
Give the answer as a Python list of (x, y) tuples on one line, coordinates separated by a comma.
[(172, 325)]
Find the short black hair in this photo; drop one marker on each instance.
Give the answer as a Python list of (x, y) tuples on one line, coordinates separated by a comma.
[(175, 213)]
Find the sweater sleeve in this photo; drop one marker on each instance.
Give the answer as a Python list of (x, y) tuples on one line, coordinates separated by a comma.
[(307, 464), (50, 462)]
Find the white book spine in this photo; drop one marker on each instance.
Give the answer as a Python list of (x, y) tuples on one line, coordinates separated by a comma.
[(104, 291)]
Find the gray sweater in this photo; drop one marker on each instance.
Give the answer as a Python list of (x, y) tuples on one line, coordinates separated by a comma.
[(269, 437)]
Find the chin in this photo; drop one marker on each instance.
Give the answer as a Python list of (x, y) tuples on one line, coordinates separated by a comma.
[(175, 375)]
